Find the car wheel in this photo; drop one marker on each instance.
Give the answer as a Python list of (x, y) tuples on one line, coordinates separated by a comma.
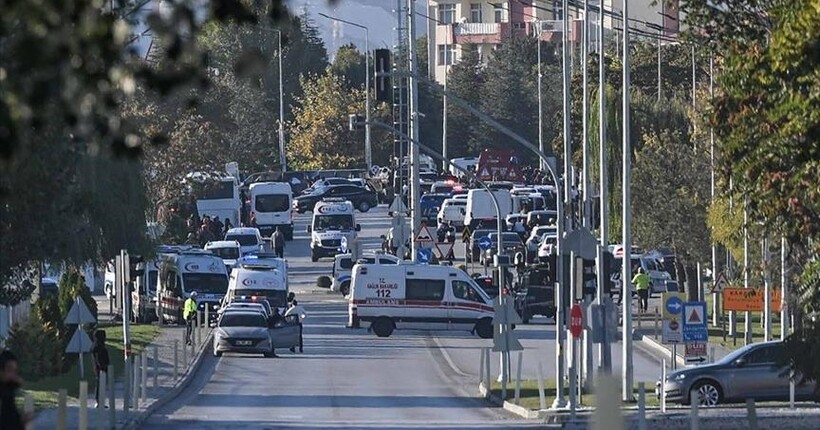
[(364, 207), (383, 327), (708, 393), (484, 328), (345, 288)]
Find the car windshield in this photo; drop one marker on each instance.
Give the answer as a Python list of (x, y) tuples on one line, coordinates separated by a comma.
[(507, 238), (333, 222), (205, 283), (272, 203), (237, 319), (229, 253), (243, 239)]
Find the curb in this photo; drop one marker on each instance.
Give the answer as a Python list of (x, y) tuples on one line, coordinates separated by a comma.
[(548, 416), (661, 349), (181, 384)]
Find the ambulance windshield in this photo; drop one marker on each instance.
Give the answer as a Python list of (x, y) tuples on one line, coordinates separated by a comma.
[(333, 222)]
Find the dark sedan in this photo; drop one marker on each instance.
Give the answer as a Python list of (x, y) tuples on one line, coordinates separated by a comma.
[(752, 372), (510, 243), (362, 198)]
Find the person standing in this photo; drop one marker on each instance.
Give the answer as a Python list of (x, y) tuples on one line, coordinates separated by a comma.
[(277, 242), (101, 361), (227, 226), (10, 382), (641, 281), (189, 315), (299, 312)]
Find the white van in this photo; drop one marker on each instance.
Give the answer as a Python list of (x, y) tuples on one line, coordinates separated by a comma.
[(480, 207), (271, 203), (453, 211), (333, 229), (228, 250), (249, 238), (660, 281), (387, 297), (343, 267), (185, 272), (466, 163), (262, 278)]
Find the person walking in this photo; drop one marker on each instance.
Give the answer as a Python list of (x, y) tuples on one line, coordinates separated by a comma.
[(641, 281), (299, 312), (277, 242), (189, 315), (101, 361), (10, 382)]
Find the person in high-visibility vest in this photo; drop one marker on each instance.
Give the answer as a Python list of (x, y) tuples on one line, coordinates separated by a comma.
[(189, 314), (641, 281)]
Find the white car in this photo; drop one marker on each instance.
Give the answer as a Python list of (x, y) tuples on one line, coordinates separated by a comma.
[(228, 250), (511, 219), (547, 247), (453, 211), (249, 238), (534, 240)]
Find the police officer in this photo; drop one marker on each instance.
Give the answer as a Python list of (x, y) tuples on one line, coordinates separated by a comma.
[(189, 314)]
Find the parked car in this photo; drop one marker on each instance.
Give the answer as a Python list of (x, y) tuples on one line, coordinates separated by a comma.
[(510, 243), (362, 198), (249, 238), (752, 372)]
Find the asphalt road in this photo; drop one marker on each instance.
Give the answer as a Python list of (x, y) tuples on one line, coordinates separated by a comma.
[(349, 378)]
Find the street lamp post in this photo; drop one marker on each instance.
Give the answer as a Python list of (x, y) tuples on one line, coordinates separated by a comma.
[(368, 149), (282, 157)]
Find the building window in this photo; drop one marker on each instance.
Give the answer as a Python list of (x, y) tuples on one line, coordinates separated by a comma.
[(475, 12), (446, 55), (498, 13), (447, 13)]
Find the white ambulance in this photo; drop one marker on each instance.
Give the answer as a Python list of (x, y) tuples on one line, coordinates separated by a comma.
[(333, 229), (260, 278), (415, 296), (187, 271)]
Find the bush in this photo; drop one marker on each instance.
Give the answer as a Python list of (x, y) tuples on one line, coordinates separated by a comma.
[(72, 285), (38, 348)]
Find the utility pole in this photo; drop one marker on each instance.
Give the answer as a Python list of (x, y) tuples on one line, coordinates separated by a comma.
[(748, 315), (415, 194), (659, 65), (626, 275), (604, 351), (282, 157), (540, 104), (784, 291), (767, 290), (717, 297), (447, 61), (587, 219)]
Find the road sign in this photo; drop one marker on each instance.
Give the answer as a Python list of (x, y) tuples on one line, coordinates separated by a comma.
[(343, 244), (694, 322), (397, 207), (576, 321), (465, 234), (750, 299), (423, 235), (79, 314), (485, 243), (505, 341), (424, 255), (673, 305), (79, 343), (719, 284), (444, 249), (671, 331), (695, 352)]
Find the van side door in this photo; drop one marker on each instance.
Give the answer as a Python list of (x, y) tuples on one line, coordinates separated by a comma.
[(465, 305)]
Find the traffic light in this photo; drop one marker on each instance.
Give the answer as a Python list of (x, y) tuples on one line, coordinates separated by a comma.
[(136, 266), (383, 65)]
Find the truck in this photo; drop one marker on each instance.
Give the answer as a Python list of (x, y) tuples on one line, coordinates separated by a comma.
[(499, 165)]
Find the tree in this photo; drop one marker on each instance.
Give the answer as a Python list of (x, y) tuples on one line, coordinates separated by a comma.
[(463, 79), (321, 138), (350, 64)]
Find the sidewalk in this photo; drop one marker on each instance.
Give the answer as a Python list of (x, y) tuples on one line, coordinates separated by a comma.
[(166, 383)]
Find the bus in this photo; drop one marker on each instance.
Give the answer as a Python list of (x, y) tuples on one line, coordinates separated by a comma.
[(217, 196)]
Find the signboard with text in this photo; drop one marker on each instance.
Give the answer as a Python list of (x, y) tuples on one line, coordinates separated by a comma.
[(750, 299)]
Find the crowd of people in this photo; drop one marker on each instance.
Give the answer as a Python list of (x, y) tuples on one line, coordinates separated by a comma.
[(202, 231)]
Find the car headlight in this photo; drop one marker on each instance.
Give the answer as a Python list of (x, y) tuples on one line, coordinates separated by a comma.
[(680, 377)]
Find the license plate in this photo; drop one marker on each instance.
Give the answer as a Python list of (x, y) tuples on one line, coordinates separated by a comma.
[(244, 343)]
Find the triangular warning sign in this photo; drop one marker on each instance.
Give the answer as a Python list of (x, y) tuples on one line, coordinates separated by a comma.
[(79, 314), (397, 205), (694, 316), (720, 283), (423, 234), (444, 249), (484, 173)]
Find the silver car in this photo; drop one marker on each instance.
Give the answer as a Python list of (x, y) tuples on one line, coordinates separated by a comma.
[(244, 332), (753, 371)]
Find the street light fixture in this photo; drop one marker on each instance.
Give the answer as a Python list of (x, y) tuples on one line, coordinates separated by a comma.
[(368, 149)]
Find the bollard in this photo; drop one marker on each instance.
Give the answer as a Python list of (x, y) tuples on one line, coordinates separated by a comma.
[(126, 392), (99, 417), (102, 385), (144, 372), (83, 413), (61, 410), (198, 335), (694, 401), (712, 354), (663, 384), (176, 359), (112, 399), (657, 321), (487, 370), (185, 356), (481, 367), (542, 401), (28, 409), (573, 398), (207, 317), (518, 379), (156, 365), (791, 391), (135, 386), (641, 406), (752, 413)]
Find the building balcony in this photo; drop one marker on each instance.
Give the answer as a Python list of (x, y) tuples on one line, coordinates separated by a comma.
[(480, 32)]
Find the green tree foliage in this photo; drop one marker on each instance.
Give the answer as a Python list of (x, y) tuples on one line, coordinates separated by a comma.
[(38, 348), (350, 64), (321, 138), (463, 78)]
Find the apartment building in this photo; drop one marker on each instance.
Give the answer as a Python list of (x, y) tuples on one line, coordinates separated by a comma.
[(485, 23)]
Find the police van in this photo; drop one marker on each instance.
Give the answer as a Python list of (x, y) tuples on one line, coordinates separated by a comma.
[(260, 276), (184, 272), (333, 228), (415, 296)]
